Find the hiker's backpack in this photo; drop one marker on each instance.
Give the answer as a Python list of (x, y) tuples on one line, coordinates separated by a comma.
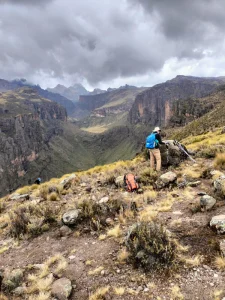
[(130, 183), (151, 141)]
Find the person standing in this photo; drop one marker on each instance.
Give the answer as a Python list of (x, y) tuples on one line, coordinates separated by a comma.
[(152, 144)]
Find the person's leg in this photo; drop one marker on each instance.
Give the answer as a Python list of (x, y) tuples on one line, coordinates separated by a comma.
[(152, 159), (157, 155)]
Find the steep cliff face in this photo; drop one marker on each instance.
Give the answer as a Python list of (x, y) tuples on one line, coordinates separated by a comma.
[(155, 105), (25, 131)]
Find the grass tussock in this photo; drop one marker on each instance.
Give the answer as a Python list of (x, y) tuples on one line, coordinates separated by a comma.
[(191, 261), (219, 161), (96, 271), (119, 291), (149, 196), (220, 262), (123, 255), (176, 293), (148, 214), (115, 232), (148, 176), (23, 190), (100, 293), (218, 294)]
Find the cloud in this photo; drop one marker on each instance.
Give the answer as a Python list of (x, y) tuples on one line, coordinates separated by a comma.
[(103, 41)]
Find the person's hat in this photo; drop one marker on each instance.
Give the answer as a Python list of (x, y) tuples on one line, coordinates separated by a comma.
[(156, 129)]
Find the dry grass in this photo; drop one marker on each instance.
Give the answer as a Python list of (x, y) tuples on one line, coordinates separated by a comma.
[(148, 214), (176, 223), (89, 262), (3, 297), (3, 249), (100, 293), (23, 190), (220, 262), (191, 261), (53, 196), (96, 271), (219, 161), (150, 196), (218, 294), (102, 237), (176, 293), (119, 291), (123, 255), (180, 247), (115, 232)]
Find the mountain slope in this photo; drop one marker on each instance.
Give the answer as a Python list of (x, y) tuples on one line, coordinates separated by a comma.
[(73, 92), (15, 84)]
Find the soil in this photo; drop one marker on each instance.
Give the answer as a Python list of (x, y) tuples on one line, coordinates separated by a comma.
[(191, 229)]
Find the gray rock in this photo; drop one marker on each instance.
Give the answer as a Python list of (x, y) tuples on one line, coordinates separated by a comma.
[(119, 181), (65, 230), (219, 185), (218, 223), (19, 197), (71, 217), (104, 200), (62, 288), (20, 290), (207, 202), (166, 179), (66, 183)]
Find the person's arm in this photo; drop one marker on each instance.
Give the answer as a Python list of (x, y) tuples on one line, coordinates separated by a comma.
[(158, 137)]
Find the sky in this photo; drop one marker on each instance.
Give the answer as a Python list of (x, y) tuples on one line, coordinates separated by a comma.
[(110, 43)]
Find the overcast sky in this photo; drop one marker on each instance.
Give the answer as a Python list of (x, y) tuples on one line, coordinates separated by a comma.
[(103, 43)]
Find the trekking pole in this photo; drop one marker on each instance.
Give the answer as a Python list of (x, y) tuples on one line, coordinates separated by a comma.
[(182, 149)]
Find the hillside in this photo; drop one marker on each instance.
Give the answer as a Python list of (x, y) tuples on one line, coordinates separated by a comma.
[(156, 106), (15, 84), (112, 245)]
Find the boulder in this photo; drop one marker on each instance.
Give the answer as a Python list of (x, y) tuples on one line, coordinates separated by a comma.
[(66, 182), (207, 202), (65, 230), (19, 197), (171, 154), (218, 223), (119, 181), (61, 289), (71, 217), (219, 185), (166, 179)]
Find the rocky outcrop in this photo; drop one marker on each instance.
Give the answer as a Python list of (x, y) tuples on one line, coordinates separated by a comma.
[(25, 132), (73, 92), (155, 105)]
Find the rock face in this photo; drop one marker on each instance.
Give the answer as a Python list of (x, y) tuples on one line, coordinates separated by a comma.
[(172, 155), (218, 223), (207, 202), (66, 183), (73, 92), (25, 131), (155, 106), (61, 289)]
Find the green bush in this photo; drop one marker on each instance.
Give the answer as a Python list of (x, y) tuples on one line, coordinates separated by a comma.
[(150, 246)]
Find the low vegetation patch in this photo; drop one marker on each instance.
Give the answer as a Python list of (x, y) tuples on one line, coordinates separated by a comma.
[(150, 246), (219, 162)]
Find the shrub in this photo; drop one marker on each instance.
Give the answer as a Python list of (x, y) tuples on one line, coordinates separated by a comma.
[(150, 246), (53, 196), (219, 161), (148, 176)]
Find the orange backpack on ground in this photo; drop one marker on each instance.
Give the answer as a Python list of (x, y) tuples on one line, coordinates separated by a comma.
[(130, 183)]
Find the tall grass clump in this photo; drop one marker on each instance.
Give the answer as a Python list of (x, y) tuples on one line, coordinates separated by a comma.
[(219, 161)]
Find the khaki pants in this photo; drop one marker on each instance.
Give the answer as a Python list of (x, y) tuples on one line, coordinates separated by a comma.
[(155, 156)]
